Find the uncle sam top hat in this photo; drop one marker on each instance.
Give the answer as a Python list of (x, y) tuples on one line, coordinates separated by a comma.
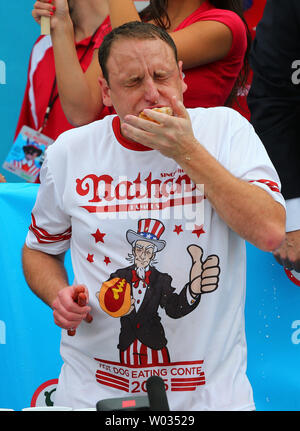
[(148, 230)]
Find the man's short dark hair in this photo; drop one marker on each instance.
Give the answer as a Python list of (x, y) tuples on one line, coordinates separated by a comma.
[(132, 30)]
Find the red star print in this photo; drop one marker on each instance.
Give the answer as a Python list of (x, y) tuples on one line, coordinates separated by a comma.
[(178, 229), (107, 260), (98, 236), (198, 230), (90, 258)]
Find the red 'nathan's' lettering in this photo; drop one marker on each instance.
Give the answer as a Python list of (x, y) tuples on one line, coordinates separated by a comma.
[(101, 187), (84, 186), (121, 188)]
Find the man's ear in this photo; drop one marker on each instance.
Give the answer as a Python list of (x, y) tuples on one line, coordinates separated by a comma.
[(105, 90), (183, 84)]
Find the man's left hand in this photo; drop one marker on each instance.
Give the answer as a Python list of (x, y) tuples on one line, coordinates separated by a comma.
[(288, 254)]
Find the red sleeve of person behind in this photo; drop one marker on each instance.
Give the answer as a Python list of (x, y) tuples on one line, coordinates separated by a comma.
[(80, 298)]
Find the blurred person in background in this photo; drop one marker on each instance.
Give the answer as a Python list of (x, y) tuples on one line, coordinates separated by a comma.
[(274, 103), (42, 105)]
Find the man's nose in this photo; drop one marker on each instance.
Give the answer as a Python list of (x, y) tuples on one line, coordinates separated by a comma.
[(151, 92)]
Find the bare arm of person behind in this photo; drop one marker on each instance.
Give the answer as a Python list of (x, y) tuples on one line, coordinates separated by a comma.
[(200, 43), (47, 278), (79, 92)]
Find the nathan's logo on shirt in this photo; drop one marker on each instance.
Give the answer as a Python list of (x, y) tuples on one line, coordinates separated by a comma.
[(171, 192)]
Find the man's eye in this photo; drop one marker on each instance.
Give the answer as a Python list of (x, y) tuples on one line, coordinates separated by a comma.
[(133, 82), (160, 76)]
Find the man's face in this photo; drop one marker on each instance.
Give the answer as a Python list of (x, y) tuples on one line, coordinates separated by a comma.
[(142, 74), (143, 253)]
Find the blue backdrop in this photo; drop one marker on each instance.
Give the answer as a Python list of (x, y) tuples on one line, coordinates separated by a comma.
[(18, 31)]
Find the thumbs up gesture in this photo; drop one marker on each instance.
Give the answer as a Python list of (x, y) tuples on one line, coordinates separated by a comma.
[(204, 274)]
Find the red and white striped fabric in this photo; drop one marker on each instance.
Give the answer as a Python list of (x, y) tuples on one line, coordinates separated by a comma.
[(153, 228), (271, 184), (44, 237), (28, 167), (139, 354)]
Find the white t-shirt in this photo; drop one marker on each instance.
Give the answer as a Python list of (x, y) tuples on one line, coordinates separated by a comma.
[(97, 193)]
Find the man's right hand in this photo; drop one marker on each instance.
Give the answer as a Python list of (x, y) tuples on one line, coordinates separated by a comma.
[(67, 312)]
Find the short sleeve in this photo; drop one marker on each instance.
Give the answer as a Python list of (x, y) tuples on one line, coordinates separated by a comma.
[(50, 230), (228, 18), (235, 25)]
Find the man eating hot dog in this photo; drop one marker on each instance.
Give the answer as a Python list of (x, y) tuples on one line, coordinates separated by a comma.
[(131, 171)]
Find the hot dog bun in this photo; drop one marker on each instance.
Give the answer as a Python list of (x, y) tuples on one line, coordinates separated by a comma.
[(164, 109)]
